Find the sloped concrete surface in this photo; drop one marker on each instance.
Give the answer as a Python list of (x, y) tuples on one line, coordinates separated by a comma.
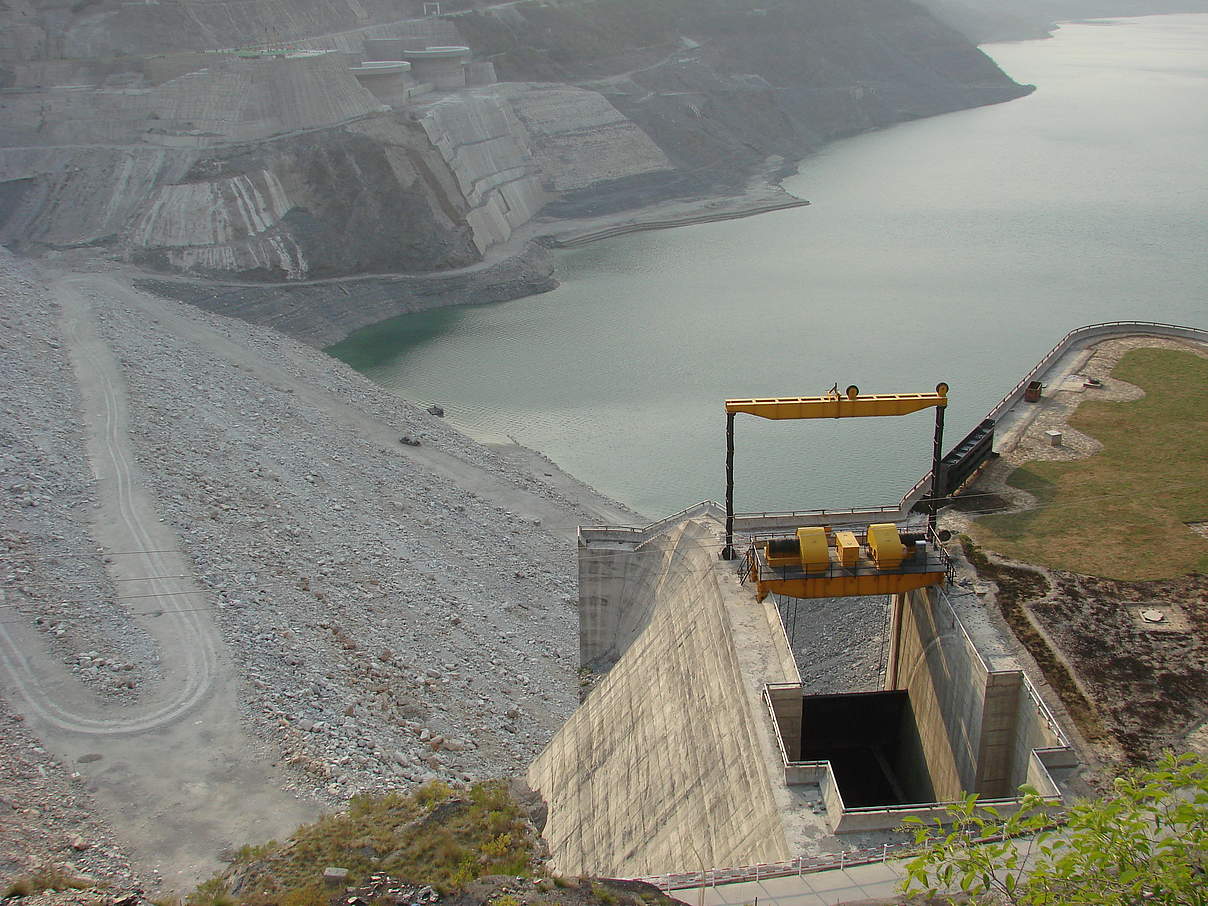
[(662, 768), (579, 138)]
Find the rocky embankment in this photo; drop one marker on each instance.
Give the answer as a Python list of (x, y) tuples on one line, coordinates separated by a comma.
[(392, 613), (47, 815), (168, 150)]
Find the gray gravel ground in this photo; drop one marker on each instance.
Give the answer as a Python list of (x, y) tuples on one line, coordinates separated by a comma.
[(46, 815), (395, 613), (839, 643)]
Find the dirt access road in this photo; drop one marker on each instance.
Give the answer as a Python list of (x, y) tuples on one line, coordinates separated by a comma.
[(175, 771), (176, 774)]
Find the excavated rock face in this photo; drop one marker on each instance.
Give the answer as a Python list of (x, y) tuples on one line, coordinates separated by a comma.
[(369, 197), (283, 167), (342, 201)]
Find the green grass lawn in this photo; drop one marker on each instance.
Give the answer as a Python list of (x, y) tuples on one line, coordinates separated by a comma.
[(1122, 513)]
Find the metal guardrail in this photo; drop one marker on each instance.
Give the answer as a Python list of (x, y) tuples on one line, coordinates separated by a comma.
[(922, 487), (639, 534), (1104, 328), (800, 866), (1046, 714)]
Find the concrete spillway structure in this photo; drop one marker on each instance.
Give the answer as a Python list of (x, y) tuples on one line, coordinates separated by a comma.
[(442, 67), (698, 748), (387, 80), (667, 765)]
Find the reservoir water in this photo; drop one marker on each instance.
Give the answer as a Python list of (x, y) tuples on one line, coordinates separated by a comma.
[(958, 248)]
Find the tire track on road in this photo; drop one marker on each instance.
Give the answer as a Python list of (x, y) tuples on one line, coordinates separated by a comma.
[(186, 639)]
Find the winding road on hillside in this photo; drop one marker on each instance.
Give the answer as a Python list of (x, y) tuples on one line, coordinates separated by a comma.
[(176, 774), (139, 548)]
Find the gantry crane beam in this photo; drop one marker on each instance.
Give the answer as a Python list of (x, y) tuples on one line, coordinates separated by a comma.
[(835, 406), (849, 404)]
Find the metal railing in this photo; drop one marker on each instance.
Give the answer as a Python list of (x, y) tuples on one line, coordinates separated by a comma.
[(921, 488), (1105, 328), (639, 534), (800, 866), (933, 560)]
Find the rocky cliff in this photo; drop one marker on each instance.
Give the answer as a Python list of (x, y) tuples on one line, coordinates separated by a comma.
[(131, 132), (720, 87)]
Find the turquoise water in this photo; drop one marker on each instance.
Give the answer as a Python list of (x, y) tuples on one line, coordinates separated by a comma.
[(958, 248)]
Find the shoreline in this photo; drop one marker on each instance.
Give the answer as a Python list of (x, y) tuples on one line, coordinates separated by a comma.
[(328, 310), (689, 220), (545, 471), (542, 469)]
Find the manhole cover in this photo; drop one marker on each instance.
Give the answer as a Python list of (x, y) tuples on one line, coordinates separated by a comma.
[(1158, 616)]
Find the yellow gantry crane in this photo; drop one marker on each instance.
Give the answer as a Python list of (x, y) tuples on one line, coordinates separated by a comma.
[(818, 562)]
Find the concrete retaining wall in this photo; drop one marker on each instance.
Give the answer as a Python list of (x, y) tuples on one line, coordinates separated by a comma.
[(977, 726), (580, 139), (947, 683), (616, 598), (661, 770), (978, 729), (1039, 744)]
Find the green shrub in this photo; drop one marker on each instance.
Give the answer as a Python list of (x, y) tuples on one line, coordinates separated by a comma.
[(435, 835), (210, 893)]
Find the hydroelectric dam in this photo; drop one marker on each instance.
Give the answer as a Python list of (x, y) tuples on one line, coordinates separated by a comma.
[(699, 750)]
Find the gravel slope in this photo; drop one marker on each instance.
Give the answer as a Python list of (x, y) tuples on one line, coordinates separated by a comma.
[(392, 613)]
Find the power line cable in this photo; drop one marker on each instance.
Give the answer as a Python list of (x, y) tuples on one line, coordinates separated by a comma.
[(87, 580)]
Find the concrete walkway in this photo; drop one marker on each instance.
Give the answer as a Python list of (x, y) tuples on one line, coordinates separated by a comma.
[(878, 880)]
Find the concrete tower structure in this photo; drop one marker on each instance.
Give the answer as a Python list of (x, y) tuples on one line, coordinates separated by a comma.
[(387, 80)]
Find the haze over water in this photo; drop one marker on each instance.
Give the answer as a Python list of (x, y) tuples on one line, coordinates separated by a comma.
[(958, 248)]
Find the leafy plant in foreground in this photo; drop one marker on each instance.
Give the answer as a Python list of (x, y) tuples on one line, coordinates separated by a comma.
[(1145, 842)]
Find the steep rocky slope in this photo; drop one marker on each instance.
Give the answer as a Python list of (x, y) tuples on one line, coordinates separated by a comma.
[(388, 613), (720, 87), (116, 134), (367, 589), (989, 20)]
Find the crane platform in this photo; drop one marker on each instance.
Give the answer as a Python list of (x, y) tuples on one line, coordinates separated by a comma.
[(858, 560)]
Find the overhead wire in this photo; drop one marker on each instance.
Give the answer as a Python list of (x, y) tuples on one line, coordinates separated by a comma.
[(660, 552), (86, 580)]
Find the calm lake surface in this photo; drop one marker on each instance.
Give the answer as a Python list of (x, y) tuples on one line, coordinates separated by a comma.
[(958, 248)]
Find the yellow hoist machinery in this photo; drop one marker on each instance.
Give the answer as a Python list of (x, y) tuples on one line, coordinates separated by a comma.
[(818, 562)]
